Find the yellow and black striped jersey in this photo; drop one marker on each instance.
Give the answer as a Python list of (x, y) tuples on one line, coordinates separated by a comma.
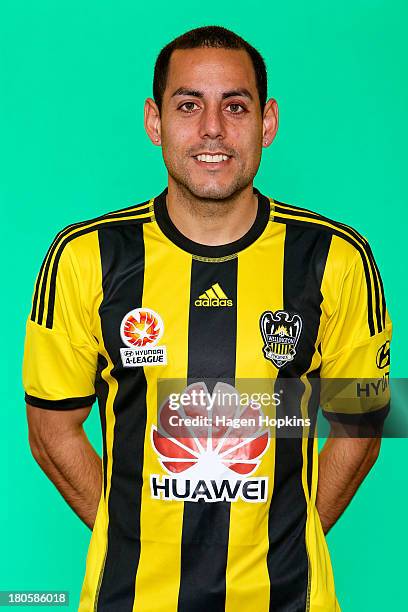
[(202, 519)]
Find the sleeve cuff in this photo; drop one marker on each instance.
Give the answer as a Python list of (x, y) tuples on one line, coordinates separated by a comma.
[(373, 419), (70, 403)]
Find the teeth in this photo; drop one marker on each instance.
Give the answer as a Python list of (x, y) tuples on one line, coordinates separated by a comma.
[(212, 158)]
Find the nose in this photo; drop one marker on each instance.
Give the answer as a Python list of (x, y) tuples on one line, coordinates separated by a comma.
[(212, 122)]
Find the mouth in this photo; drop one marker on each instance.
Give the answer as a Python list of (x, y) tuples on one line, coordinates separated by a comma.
[(212, 160)]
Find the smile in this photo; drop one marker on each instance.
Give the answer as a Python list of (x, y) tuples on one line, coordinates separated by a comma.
[(212, 159)]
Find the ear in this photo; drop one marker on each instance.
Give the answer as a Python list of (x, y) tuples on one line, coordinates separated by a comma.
[(270, 122), (152, 121)]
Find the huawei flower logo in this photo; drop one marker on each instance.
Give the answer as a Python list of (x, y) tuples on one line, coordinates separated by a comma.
[(212, 438)]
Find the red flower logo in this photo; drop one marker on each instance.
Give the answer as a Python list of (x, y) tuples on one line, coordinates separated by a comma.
[(211, 447)]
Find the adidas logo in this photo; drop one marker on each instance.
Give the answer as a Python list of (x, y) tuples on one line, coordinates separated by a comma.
[(214, 296)]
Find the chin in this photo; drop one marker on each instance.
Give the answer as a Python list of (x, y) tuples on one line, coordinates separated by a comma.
[(214, 191)]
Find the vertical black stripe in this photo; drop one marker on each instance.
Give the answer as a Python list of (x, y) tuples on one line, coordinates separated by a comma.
[(305, 257), (211, 354), (122, 256), (312, 412), (101, 389)]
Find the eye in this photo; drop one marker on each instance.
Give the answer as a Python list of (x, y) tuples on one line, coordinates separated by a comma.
[(235, 108), (188, 107)]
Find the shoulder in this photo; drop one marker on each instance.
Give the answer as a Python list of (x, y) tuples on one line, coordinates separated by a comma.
[(350, 265), (347, 244), (80, 239), (73, 256), (77, 243)]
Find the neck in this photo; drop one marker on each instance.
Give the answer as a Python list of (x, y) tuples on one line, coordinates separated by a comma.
[(211, 222)]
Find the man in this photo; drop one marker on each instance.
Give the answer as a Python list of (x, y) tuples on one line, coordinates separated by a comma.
[(209, 283)]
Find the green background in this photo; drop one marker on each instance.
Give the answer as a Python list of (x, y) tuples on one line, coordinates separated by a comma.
[(74, 78)]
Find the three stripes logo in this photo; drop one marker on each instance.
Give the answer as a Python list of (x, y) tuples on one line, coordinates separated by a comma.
[(214, 296)]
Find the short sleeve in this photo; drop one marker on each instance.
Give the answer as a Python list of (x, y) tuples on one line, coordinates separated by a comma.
[(60, 352), (355, 348)]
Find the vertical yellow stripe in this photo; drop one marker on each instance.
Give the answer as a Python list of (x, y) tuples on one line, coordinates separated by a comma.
[(86, 249), (167, 294), (259, 289), (322, 588)]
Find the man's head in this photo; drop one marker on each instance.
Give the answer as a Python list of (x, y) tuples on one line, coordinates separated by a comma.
[(210, 113)]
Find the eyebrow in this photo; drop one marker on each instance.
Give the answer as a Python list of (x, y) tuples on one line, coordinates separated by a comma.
[(184, 91), (244, 93)]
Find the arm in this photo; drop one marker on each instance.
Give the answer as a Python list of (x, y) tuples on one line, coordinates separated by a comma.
[(61, 448), (344, 462), (357, 332)]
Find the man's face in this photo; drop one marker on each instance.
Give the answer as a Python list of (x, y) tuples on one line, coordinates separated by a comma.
[(211, 123)]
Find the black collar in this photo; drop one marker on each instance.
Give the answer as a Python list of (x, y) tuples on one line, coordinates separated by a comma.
[(203, 250)]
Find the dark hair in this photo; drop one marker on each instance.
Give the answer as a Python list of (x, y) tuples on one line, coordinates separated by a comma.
[(212, 37)]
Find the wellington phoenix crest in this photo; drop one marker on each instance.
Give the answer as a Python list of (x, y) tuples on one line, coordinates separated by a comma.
[(280, 333)]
